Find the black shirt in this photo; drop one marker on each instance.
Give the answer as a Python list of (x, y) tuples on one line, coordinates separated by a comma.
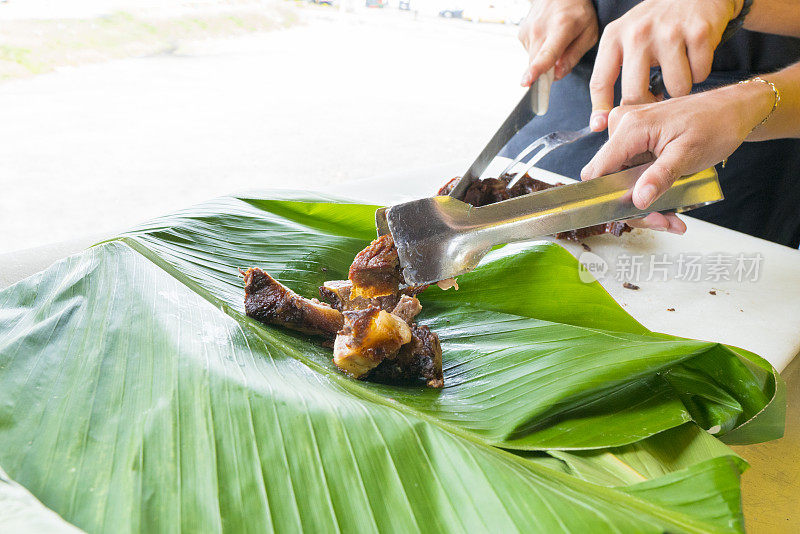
[(761, 181)]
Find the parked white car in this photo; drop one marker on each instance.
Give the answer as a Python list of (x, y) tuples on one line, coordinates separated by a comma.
[(497, 11)]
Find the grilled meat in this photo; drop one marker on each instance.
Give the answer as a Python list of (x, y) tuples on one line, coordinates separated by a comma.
[(337, 294), (369, 314), (526, 185), (420, 358), (375, 338), (270, 302), (616, 228), (367, 338), (491, 190), (487, 191), (375, 271), (407, 308)]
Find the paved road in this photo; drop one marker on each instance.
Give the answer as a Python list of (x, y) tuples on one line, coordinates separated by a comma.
[(343, 97)]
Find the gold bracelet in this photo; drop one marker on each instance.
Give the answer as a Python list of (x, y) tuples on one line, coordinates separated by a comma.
[(774, 103)]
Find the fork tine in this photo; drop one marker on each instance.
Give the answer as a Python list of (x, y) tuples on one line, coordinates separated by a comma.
[(556, 139), (527, 150), (531, 162)]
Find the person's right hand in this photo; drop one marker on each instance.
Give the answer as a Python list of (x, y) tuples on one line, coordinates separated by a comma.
[(681, 136), (557, 33)]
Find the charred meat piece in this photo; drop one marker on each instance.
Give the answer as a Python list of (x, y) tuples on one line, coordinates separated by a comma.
[(421, 358), (367, 338), (481, 192), (407, 308), (491, 190), (487, 191), (337, 294), (616, 228), (526, 185), (375, 271), (269, 301)]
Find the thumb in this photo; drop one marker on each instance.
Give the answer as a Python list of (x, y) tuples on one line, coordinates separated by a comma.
[(659, 177)]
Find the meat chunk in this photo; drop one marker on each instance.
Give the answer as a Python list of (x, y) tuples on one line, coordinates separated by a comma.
[(526, 185), (269, 301), (337, 294), (616, 228), (369, 331), (419, 359), (487, 191), (367, 338), (407, 308), (491, 190), (375, 271)]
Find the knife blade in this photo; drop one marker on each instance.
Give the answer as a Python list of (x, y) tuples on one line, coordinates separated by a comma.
[(534, 102)]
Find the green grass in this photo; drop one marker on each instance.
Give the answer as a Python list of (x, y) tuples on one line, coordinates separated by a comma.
[(33, 47)]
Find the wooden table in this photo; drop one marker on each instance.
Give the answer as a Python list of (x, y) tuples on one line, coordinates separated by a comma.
[(771, 487)]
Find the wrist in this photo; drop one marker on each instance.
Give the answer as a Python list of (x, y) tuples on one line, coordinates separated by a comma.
[(750, 103)]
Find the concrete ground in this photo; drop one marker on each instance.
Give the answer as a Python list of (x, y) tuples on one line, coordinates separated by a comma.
[(341, 96)]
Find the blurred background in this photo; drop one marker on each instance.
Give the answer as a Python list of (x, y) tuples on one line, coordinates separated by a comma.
[(115, 111)]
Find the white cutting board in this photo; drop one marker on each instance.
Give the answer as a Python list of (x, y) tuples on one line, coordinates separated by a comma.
[(760, 313)]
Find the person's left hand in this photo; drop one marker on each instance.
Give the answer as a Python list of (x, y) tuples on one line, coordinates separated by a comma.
[(556, 34), (678, 35), (682, 136)]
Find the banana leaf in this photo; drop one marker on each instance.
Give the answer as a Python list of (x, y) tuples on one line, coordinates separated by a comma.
[(136, 396)]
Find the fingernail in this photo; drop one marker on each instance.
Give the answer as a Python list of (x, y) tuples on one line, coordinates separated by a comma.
[(647, 194), (597, 122), (526, 79), (675, 228), (586, 172)]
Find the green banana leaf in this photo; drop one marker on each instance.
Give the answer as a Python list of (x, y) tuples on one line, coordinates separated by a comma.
[(136, 396)]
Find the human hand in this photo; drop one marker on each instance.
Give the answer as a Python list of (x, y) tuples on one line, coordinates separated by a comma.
[(678, 35), (557, 33), (682, 136)]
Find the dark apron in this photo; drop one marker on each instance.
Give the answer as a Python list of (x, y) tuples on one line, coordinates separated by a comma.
[(761, 181)]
